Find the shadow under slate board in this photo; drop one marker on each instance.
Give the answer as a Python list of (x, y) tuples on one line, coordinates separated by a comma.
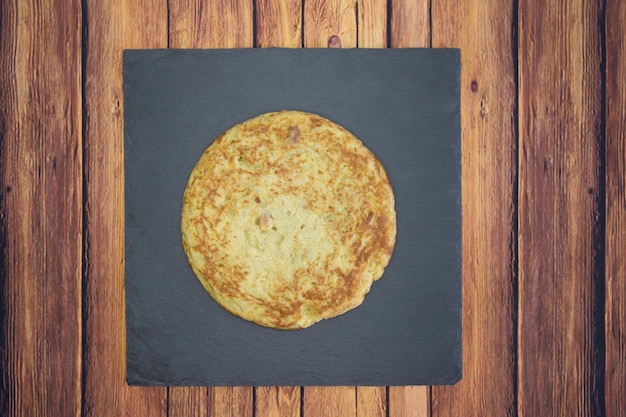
[(404, 104)]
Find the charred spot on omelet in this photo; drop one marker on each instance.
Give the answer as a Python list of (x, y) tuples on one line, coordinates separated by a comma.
[(288, 219)]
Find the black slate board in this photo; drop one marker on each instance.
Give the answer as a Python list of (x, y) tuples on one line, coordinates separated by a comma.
[(404, 105)]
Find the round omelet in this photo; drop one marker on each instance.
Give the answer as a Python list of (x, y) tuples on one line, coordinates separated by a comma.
[(288, 219)]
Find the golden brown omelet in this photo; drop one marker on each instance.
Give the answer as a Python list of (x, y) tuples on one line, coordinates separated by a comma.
[(288, 219)]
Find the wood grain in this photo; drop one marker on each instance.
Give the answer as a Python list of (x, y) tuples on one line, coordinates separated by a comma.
[(372, 23), (372, 33), (371, 401), (190, 25), (188, 401), (329, 402), (410, 24), (409, 402), (330, 23), (560, 264), (485, 33), (615, 306), (409, 28), (230, 401), (111, 27), (41, 208), (8, 125), (550, 340), (277, 402), (211, 24), (279, 23)]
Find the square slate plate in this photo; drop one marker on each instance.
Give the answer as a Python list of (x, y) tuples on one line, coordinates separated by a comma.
[(404, 105)]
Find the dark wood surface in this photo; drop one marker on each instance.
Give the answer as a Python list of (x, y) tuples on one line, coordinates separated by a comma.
[(544, 201), (486, 34), (560, 211), (614, 165)]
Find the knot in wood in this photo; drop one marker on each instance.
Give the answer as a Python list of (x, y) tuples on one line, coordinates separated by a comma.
[(334, 42)]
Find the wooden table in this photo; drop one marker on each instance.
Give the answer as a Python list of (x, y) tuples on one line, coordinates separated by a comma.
[(544, 200)]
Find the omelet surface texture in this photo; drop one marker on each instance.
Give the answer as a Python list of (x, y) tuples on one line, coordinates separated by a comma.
[(288, 219)]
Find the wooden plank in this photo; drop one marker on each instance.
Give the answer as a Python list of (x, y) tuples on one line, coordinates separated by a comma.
[(409, 28), (409, 402), (111, 27), (560, 269), (8, 134), (277, 402), (615, 327), (279, 23), (330, 23), (485, 33), (213, 402), (329, 402), (372, 33), (231, 402), (410, 24), (41, 208), (371, 401), (189, 27), (211, 24), (372, 23), (188, 401)]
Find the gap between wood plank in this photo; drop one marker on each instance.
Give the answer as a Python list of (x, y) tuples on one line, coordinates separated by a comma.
[(599, 238), (168, 28), (615, 210), (7, 50), (84, 47), (515, 196), (254, 35), (302, 46)]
